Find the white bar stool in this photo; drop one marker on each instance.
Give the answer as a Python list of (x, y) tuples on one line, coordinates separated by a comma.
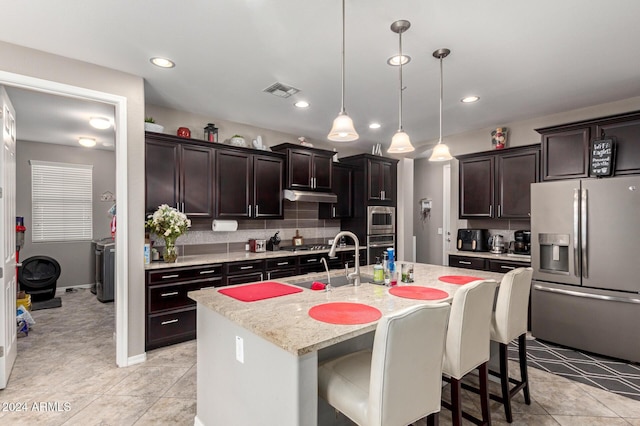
[(467, 346), (399, 381)]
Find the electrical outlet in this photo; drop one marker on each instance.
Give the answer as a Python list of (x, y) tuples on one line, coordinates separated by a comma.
[(240, 349)]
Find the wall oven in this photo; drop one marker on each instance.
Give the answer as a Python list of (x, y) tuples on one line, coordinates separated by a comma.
[(378, 244), (381, 220)]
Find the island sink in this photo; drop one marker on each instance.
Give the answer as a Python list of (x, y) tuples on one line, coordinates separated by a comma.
[(338, 281)]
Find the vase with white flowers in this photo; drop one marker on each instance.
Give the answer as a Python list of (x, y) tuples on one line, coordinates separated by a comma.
[(168, 224)]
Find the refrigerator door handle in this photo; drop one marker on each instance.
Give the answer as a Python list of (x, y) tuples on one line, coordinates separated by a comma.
[(583, 234), (576, 231), (586, 295)]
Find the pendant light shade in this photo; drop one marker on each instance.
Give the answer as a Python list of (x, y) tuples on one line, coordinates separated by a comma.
[(343, 129), (441, 151), (400, 142)]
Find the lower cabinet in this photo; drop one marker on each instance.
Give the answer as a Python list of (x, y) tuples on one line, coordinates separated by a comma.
[(280, 268), (170, 314), (243, 272), (482, 264)]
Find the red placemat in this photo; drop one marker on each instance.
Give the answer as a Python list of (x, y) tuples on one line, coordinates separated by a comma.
[(458, 279), (418, 292), (345, 313), (259, 291)]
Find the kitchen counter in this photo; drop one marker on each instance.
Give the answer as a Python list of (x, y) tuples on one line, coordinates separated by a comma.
[(204, 259), (489, 255), (265, 354)]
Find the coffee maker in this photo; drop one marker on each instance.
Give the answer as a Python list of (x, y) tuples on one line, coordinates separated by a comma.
[(522, 244)]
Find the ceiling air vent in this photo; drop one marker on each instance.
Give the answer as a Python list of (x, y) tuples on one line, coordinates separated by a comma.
[(281, 90)]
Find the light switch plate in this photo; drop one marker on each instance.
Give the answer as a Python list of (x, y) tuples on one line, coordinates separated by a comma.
[(240, 349)]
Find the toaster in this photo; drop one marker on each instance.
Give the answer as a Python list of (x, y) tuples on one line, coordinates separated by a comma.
[(473, 240)]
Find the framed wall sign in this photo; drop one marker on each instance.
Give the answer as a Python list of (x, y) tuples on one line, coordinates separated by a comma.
[(602, 157)]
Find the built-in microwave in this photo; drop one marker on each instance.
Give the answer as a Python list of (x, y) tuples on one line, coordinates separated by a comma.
[(381, 220)]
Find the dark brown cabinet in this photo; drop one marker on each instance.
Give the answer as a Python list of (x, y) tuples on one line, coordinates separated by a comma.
[(308, 169), (497, 185), (281, 267), (381, 180), (243, 272), (482, 264), (248, 185), (170, 313), (566, 148), (343, 188), (179, 174)]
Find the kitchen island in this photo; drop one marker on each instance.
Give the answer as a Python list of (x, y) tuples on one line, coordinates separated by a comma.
[(257, 361)]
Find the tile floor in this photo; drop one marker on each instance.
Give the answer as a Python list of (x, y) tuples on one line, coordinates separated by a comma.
[(66, 374)]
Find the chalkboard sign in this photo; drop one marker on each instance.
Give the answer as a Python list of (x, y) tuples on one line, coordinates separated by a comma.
[(602, 157)]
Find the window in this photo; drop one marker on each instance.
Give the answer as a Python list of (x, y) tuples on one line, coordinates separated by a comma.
[(61, 202)]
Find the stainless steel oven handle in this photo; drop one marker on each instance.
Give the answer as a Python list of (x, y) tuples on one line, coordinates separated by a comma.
[(583, 234), (586, 295), (576, 231)]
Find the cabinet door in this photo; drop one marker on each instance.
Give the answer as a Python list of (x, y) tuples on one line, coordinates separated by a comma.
[(343, 188), (322, 171), (233, 176), (267, 187), (627, 136), (476, 188), (300, 169), (516, 173), (162, 173), (197, 181), (375, 180), (389, 178), (565, 155)]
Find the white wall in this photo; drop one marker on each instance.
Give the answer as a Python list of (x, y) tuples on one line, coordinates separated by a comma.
[(428, 180)]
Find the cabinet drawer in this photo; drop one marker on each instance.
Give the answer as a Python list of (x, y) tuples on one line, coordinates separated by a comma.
[(467, 262), (170, 275), (171, 327), (251, 277), (504, 267), (284, 262), (311, 259), (244, 267), (281, 273), (172, 296)]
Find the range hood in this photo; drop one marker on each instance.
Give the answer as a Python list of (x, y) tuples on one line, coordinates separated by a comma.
[(316, 197)]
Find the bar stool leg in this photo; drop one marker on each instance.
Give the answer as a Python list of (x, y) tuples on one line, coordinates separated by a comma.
[(433, 419), (524, 375), (456, 402), (483, 371), (504, 381)]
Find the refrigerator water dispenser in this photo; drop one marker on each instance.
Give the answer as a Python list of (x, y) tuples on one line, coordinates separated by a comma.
[(554, 253)]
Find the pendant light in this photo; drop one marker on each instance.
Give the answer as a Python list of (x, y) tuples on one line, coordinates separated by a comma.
[(342, 129), (440, 151), (400, 143)]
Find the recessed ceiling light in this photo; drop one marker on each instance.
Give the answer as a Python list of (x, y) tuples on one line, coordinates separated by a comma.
[(162, 62), (302, 104), (374, 126), (395, 60), (100, 123), (107, 144), (470, 99), (88, 142)]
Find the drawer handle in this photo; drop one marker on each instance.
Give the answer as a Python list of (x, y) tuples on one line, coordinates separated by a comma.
[(246, 267), (173, 293), (312, 260), (464, 262), (282, 263), (166, 277), (507, 267), (169, 322), (207, 272)]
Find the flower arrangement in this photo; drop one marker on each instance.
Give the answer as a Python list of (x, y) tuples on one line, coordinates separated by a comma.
[(168, 224)]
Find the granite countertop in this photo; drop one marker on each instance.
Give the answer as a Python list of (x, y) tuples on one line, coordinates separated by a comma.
[(284, 320), (205, 259), (488, 255)]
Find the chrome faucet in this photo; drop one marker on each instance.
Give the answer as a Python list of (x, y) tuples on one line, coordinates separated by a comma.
[(326, 267), (355, 275)]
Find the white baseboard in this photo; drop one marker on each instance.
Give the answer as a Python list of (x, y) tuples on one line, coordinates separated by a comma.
[(62, 290), (197, 422), (136, 359)]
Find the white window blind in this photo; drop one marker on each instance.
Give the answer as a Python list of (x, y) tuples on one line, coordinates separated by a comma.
[(61, 197)]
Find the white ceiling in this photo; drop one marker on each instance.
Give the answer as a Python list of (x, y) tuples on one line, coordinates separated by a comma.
[(524, 59)]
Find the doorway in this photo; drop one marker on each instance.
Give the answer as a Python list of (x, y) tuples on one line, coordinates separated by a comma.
[(120, 125)]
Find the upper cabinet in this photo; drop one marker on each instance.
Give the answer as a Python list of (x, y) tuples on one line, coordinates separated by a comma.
[(308, 169), (179, 174), (343, 188), (248, 186), (496, 184), (566, 147), (375, 180)]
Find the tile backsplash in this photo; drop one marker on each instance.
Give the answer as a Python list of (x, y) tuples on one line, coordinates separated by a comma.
[(301, 216)]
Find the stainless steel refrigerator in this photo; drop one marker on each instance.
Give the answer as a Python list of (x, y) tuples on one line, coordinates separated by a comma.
[(585, 253)]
